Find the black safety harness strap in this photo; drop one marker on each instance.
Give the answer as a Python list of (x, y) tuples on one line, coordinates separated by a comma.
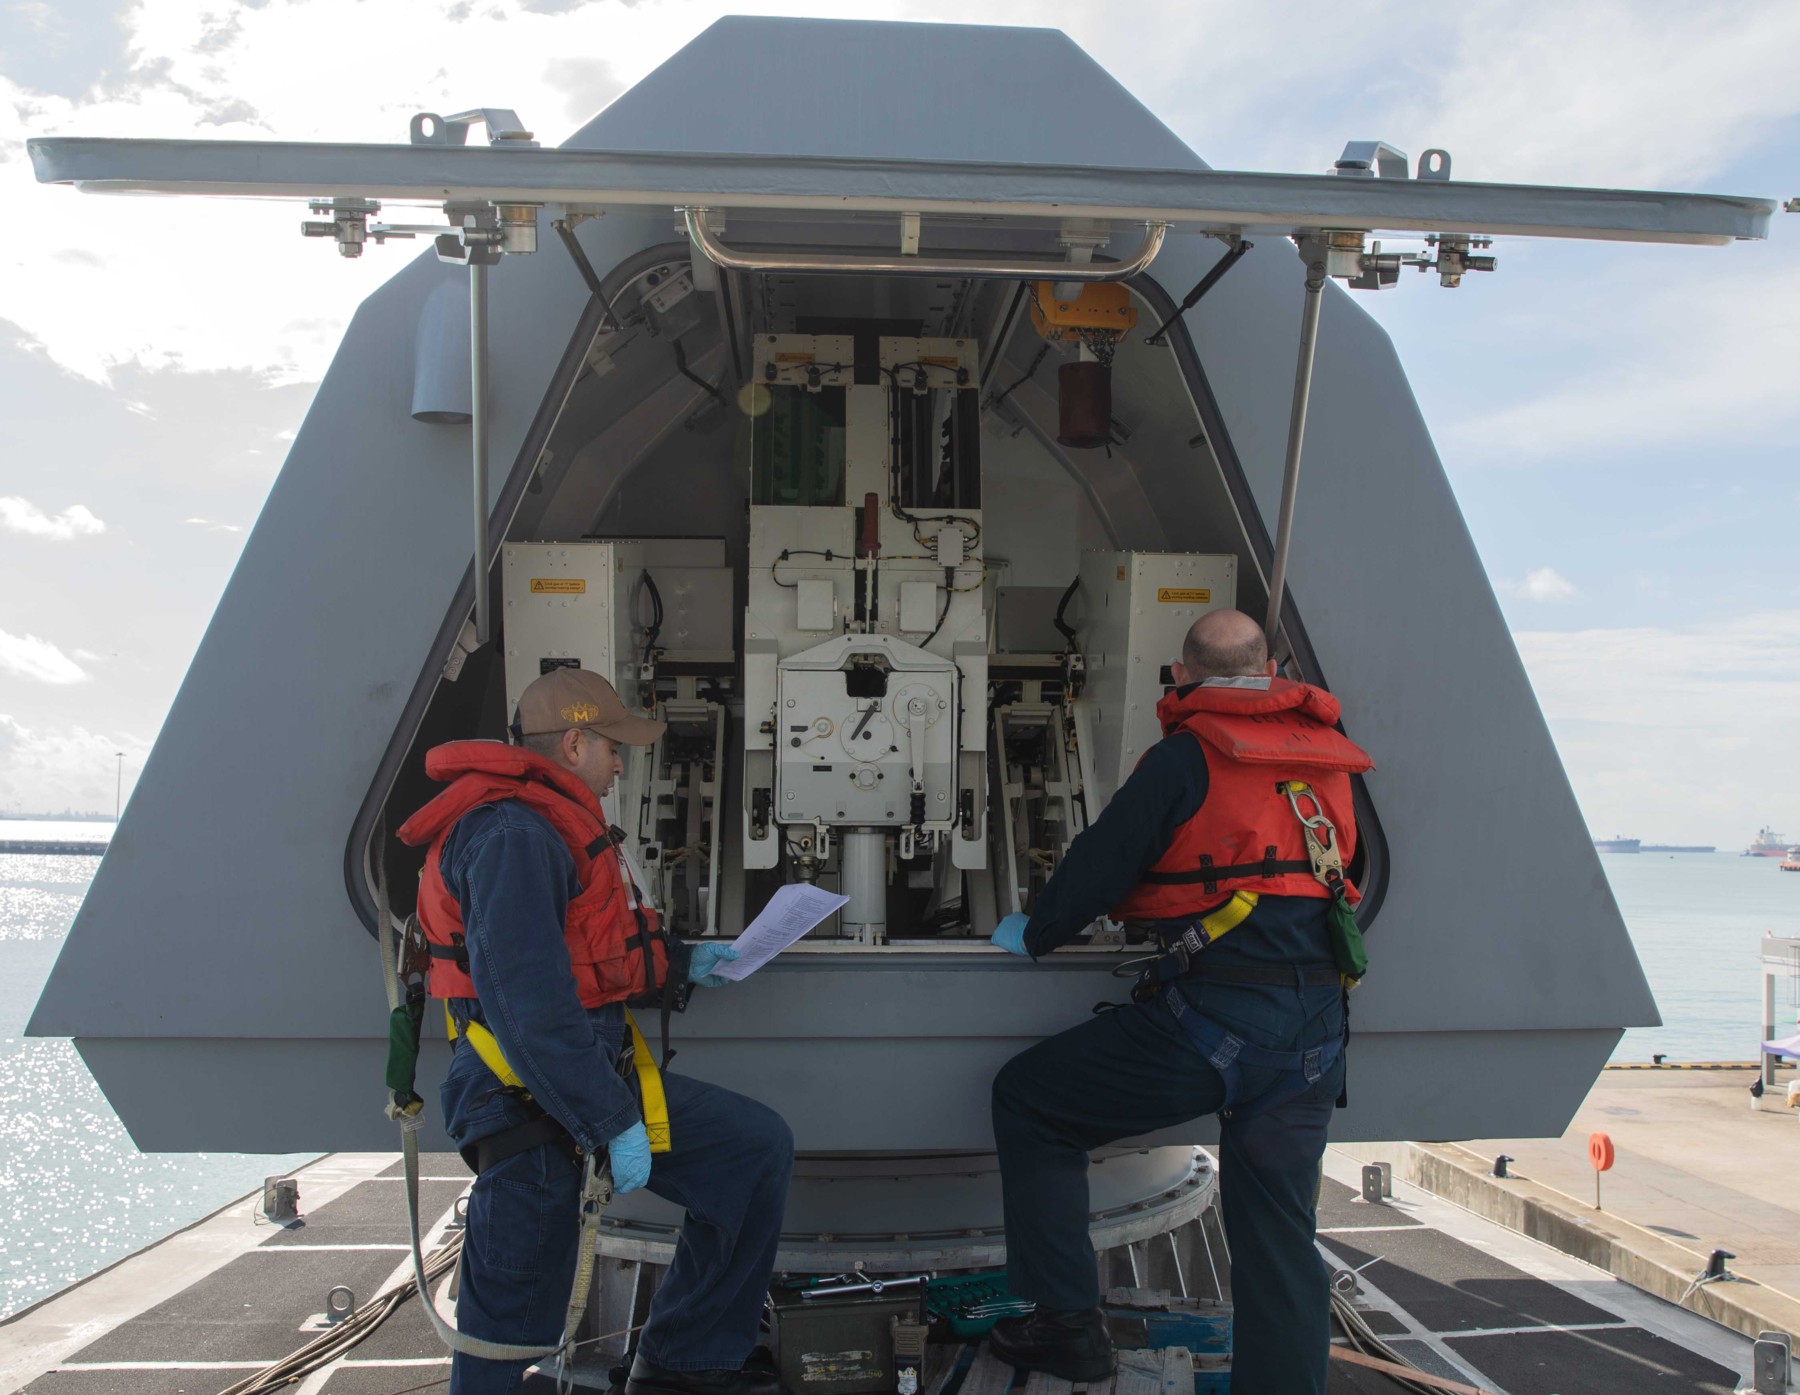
[(1210, 875), (457, 951)]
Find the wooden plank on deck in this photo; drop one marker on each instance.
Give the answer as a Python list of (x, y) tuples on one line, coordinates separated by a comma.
[(988, 1375), (1040, 1383), (940, 1365)]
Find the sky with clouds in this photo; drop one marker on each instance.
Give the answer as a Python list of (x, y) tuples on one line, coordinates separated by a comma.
[(1619, 422)]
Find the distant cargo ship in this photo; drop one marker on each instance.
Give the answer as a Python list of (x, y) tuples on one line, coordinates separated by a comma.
[(1617, 845), (1677, 847), (1768, 843)]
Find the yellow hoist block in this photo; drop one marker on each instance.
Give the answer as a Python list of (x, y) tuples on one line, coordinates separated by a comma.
[(1102, 307)]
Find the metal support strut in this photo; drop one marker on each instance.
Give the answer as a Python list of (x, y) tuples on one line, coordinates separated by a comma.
[(1312, 252), (1212, 278), (478, 435)]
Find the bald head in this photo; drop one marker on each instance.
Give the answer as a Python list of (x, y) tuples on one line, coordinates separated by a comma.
[(1223, 644)]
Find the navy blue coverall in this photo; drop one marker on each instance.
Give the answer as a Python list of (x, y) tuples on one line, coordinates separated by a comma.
[(513, 877), (1134, 1070)]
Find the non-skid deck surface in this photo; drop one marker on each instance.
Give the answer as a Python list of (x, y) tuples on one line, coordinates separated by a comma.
[(1459, 1312), (1450, 1308)]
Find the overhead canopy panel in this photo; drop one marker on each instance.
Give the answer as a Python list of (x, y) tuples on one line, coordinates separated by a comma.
[(1194, 200)]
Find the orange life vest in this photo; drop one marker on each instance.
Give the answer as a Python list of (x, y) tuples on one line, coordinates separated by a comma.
[(1246, 836), (616, 948)]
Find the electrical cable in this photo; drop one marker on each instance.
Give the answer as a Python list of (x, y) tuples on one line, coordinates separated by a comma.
[(335, 1341), (1063, 627), (788, 552), (1364, 1339), (681, 367), (654, 629), (944, 614), (894, 505), (1037, 362)]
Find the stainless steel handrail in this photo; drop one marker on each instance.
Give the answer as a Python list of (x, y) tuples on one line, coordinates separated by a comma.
[(734, 259)]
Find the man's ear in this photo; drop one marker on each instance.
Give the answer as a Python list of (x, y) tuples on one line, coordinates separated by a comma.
[(566, 747), (1178, 671), (1271, 668)]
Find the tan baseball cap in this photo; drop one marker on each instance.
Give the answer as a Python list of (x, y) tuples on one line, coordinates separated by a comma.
[(572, 697)]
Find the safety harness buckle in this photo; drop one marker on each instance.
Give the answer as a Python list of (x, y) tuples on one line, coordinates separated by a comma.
[(1225, 1055), (1180, 951)]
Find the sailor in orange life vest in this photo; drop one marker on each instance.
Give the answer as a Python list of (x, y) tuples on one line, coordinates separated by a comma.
[(1244, 1018), (536, 930)]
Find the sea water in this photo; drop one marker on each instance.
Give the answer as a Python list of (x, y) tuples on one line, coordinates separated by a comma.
[(1696, 921), (75, 1194)]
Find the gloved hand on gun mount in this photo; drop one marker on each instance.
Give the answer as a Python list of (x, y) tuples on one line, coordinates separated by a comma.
[(630, 1156), (1009, 934), (705, 959)]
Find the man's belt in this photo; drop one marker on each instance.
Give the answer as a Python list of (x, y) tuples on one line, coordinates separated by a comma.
[(496, 1148)]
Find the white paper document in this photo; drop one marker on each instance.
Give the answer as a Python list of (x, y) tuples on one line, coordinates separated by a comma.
[(792, 911)]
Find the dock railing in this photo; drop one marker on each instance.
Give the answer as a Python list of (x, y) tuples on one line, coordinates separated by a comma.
[(1780, 959)]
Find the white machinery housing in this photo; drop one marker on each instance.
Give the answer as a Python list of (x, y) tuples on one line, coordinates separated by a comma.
[(865, 636), (654, 617), (868, 718)]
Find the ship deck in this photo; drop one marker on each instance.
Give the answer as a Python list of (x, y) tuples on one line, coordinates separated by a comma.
[(208, 1306)]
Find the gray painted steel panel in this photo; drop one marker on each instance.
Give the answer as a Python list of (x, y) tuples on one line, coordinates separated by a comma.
[(880, 90), (225, 993), (219, 910), (838, 1091), (1497, 914)]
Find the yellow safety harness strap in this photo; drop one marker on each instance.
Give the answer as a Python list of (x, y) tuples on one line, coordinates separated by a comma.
[(1229, 916), (1180, 952), (486, 1047), (653, 1104)]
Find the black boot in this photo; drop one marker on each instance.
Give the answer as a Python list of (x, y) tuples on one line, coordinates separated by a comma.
[(756, 1378), (1073, 1345)]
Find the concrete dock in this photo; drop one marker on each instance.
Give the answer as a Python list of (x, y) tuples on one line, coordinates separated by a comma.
[(1698, 1165)]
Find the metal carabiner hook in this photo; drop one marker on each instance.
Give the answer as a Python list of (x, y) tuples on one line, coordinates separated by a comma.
[(1129, 968), (1293, 789)]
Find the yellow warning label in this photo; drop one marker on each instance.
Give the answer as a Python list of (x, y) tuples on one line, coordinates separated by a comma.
[(794, 356), (1184, 595), (941, 360), (558, 586)]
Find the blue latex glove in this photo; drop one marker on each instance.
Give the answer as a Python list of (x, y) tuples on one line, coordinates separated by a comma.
[(630, 1155), (705, 959), (1009, 934)]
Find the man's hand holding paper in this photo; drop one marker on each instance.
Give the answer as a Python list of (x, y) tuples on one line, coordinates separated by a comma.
[(792, 911)]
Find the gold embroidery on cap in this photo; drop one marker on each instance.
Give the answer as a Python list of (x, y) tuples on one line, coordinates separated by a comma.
[(580, 712)]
